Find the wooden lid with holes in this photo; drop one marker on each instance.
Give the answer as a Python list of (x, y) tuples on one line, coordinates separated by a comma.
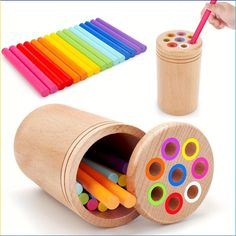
[(170, 172), (175, 44)]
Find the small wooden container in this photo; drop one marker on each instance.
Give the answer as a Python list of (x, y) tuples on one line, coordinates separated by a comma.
[(52, 140), (178, 72)]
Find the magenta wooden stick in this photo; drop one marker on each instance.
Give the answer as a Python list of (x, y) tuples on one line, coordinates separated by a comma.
[(32, 79), (201, 24)]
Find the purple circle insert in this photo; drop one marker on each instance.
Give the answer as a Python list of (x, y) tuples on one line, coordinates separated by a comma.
[(177, 145), (200, 160)]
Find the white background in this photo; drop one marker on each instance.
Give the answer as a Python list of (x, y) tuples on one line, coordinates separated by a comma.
[(125, 93)]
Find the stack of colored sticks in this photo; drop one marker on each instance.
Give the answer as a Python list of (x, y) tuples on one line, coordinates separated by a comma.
[(61, 59), (101, 183)]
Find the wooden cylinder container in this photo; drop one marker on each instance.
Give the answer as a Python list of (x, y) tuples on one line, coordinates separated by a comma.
[(178, 72), (52, 140)]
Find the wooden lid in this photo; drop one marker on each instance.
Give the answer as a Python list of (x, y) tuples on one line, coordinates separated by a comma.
[(176, 44), (170, 172)]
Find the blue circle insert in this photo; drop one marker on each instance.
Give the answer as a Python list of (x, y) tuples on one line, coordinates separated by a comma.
[(177, 175), (179, 39)]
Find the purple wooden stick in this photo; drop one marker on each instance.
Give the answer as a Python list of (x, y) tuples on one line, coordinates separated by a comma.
[(122, 39), (111, 161), (122, 34)]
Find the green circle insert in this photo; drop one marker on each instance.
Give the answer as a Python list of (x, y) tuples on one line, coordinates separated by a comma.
[(157, 194)]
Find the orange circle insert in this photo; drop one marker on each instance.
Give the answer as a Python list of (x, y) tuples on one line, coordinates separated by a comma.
[(155, 168)]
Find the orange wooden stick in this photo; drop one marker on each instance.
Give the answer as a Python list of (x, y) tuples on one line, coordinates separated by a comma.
[(61, 56), (97, 190), (56, 60), (126, 198)]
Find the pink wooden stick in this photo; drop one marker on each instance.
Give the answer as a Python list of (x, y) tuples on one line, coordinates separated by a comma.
[(32, 79), (34, 69), (202, 23)]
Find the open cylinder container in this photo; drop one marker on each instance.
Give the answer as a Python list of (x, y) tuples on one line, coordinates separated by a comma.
[(169, 169), (178, 72)]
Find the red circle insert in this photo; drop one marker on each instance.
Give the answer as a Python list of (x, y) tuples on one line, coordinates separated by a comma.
[(174, 203), (172, 45)]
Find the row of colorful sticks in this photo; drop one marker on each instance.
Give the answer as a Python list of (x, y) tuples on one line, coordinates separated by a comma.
[(101, 186), (60, 59)]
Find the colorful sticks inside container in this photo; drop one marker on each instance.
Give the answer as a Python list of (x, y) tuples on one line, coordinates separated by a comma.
[(58, 60), (101, 182)]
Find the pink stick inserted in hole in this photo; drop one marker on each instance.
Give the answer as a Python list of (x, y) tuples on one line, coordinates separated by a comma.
[(202, 23)]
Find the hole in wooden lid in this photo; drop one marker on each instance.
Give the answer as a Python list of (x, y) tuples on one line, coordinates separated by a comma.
[(200, 168), (157, 194), (172, 45), (192, 192), (155, 169), (170, 149), (171, 35), (166, 40), (177, 175), (190, 149)]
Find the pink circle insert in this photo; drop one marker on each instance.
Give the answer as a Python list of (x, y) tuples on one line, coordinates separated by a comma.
[(203, 164)]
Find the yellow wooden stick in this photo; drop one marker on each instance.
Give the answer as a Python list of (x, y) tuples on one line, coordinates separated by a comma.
[(81, 56), (70, 55)]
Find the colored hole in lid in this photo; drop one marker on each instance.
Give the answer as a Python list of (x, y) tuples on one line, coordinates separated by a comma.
[(155, 168), (181, 33), (179, 39), (192, 192), (170, 149), (184, 46), (166, 40), (172, 45), (177, 175), (200, 168), (174, 203), (157, 194), (190, 149), (171, 35)]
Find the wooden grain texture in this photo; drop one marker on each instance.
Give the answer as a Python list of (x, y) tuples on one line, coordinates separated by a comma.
[(150, 147), (178, 74), (51, 142)]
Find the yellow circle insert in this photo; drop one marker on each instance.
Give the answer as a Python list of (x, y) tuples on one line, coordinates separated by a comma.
[(190, 149)]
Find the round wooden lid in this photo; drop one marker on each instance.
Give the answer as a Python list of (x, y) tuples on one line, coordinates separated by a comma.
[(176, 44), (170, 172)]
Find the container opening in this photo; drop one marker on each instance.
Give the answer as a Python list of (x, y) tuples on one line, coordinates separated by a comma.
[(104, 166)]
